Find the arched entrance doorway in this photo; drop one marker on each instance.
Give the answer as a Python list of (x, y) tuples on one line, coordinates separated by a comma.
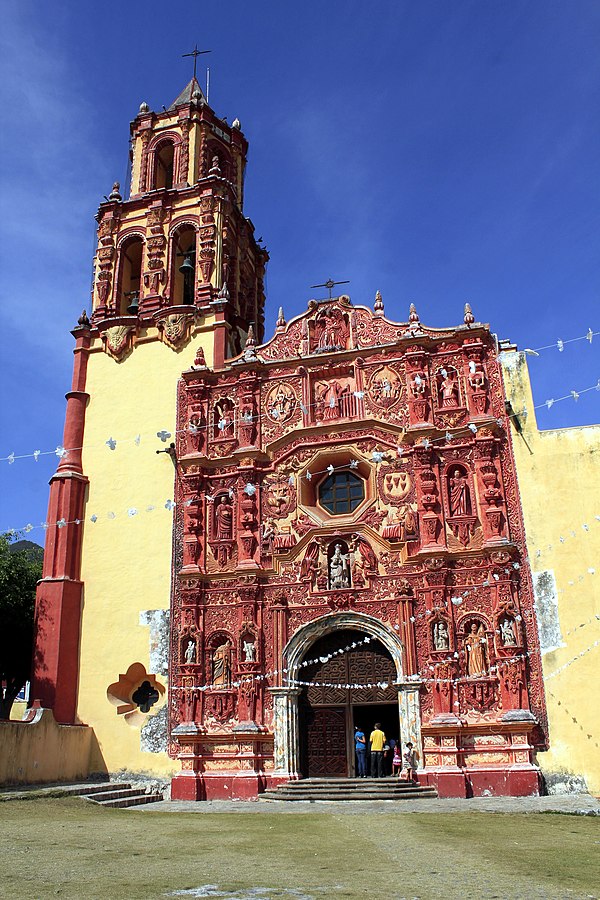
[(289, 740), (339, 693)]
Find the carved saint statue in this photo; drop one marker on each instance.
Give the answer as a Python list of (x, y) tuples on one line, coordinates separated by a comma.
[(507, 633), (441, 639), (224, 520), (339, 569), (449, 389), (190, 652), (221, 665), (249, 651), (475, 646), (460, 495)]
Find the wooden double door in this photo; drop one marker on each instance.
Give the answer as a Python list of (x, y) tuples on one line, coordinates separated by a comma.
[(330, 709)]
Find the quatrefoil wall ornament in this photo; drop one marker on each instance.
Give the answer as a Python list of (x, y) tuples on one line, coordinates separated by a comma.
[(135, 694)]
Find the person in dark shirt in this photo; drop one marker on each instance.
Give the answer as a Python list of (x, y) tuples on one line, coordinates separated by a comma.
[(360, 743)]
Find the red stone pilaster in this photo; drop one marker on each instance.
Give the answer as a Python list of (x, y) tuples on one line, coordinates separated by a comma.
[(58, 601)]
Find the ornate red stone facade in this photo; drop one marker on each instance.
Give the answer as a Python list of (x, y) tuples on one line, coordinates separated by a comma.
[(427, 561)]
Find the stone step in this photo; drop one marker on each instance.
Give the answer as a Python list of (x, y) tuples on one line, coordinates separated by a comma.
[(337, 796), (135, 799), (116, 792)]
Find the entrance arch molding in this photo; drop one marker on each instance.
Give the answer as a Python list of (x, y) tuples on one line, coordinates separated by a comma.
[(285, 699), (300, 643)]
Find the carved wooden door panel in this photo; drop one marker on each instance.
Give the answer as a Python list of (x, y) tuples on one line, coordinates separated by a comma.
[(326, 739)]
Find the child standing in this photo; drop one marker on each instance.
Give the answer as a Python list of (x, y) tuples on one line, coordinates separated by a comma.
[(396, 761), (410, 763)]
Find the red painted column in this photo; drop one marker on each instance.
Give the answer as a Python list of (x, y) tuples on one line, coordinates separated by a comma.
[(58, 600)]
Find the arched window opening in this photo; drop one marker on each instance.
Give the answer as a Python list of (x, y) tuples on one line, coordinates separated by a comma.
[(164, 166), (184, 267), (131, 274)]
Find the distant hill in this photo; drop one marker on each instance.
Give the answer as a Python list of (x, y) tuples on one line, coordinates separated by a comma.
[(33, 550)]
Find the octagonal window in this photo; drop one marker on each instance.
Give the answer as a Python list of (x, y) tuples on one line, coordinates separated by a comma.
[(341, 492)]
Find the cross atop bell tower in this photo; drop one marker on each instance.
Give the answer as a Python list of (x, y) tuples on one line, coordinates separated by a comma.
[(180, 239)]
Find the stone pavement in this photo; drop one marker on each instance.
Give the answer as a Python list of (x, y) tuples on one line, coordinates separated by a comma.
[(582, 804)]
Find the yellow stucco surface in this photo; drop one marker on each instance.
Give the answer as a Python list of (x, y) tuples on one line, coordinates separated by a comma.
[(126, 560), (40, 750), (558, 478)]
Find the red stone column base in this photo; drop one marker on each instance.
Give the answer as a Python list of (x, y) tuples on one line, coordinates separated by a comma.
[(448, 783), (518, 781), (188, 786)]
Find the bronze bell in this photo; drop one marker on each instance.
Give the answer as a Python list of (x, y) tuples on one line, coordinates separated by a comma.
[(134, 306), (187, 267)]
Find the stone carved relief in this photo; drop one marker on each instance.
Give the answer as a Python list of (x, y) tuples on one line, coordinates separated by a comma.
[(331, 330), (385, 387), (334, 399), (395, 486), (281, 402), (221, 664), (118, 340)]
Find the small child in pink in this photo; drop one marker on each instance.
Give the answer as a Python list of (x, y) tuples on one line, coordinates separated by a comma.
[(397, 760)]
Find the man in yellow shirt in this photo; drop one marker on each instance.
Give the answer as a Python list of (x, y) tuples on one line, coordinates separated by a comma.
[(377, 741)]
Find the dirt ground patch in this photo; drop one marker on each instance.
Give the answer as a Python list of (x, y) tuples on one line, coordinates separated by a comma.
[(72, 849)]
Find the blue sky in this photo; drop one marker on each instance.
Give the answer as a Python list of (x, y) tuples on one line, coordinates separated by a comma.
[(439, 152)]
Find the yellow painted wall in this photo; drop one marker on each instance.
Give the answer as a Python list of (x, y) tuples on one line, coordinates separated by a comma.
[(559, 481), (40, 751), (126, 561)]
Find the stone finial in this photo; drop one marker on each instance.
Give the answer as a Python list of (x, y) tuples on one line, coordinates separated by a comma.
[(236, 124), (280, 323), (224, 292), (413, 316), (83, 320), (115, 194), (378, 307), (215, 169), (469, 317), (144, 108)]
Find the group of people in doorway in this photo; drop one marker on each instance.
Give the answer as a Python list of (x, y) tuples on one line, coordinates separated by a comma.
[(386, 757)]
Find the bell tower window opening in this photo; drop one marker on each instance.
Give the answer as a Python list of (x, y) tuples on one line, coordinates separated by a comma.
[(130, 276), (163, 174), (184, 267), (341, 492)]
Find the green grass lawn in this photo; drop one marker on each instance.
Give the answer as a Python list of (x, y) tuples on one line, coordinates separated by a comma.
[(70, 848)]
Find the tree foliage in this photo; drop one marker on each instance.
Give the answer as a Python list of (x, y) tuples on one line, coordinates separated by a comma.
[(20, 570)]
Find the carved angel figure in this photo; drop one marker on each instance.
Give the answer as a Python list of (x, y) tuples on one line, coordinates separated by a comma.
[(249, 651), (475, 646)]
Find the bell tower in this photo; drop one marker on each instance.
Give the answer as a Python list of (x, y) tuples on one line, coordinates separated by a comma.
[(178, 283), (180, 243)]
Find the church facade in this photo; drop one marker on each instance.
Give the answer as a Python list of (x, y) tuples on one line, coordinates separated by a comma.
[(333, 535)]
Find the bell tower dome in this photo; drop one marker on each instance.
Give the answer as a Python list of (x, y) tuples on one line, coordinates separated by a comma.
[(180, 240)]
